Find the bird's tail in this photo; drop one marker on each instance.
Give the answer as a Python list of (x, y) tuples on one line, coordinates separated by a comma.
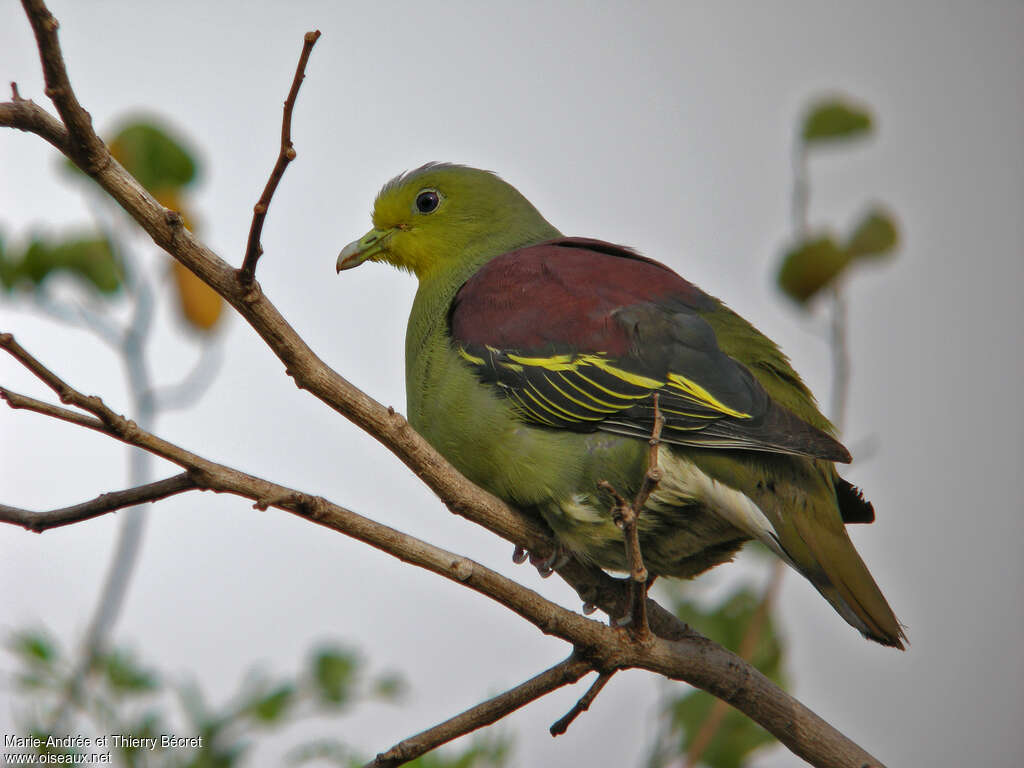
[(839, 574), (791, 505)]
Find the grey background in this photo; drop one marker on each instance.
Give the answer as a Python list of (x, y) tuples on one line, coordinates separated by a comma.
[(664, 126)]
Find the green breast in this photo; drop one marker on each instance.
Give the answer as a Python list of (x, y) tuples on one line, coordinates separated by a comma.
[(477, 430)]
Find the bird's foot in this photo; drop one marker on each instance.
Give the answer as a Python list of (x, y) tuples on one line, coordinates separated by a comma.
[(634, 619), (545, 565)]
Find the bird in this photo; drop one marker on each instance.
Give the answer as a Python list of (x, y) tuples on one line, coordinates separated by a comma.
[(536, 363)]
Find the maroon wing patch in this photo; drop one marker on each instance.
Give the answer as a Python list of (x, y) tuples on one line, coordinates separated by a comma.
[(563, 294), (581, 334)]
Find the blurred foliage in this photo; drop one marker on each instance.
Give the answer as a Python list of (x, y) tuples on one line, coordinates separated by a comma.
[(165, 167), (835, 119), (88, 259), (819, 260), (160, 162), (200, 305), (124, 695), (876, 235), (737, 736), (810, 266), (168, 169)]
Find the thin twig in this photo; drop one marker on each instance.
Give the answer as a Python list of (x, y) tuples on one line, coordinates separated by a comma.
[(840, 357), (485, 713), (26, 115), (653, 474), (68, 395), (801, 188), (253, 248), (101, 505), (627, 517), (23, 402), (561, 725), (85, 147)]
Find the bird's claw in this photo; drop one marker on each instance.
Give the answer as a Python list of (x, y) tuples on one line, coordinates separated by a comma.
[(545, 565)]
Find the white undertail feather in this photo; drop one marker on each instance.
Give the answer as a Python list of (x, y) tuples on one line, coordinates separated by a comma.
[(683, 478)]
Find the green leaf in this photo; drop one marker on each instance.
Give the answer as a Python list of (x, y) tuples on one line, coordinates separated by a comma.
[(274, 705), (835, 119), (150, 153), (726, 622), (876, 235), (33, 647), (125, 675), (93, 260), (89, 259), (736, 737), (811, 266), (389, 687), (333, 672)]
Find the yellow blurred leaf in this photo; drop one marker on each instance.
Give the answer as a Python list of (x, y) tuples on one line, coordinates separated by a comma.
[(200, 304)]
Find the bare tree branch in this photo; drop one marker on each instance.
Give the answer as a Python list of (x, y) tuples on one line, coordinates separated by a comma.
[(485, 713), (19, 402), (676, 653), (208, 475), (101, 505), (85, 147), (26, 115), (581, 706), (254, 249)]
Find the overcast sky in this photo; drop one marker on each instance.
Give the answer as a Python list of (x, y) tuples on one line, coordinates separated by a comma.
[(664, 126)]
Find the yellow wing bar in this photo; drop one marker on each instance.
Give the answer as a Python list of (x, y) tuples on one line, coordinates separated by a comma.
[(568, 389), (696, 393)]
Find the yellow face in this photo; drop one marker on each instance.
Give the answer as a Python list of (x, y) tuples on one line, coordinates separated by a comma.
[(439, 215)]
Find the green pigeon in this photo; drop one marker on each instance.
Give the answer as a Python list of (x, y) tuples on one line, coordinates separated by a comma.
[(532, 361)]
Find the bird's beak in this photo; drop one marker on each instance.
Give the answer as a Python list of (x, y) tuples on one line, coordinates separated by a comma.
[(372, 244)]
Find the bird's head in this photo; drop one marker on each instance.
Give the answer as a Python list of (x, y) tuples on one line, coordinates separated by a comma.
[(440, 217)]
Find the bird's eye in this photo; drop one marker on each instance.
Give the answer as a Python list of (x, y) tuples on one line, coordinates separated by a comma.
[(427, 201)]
